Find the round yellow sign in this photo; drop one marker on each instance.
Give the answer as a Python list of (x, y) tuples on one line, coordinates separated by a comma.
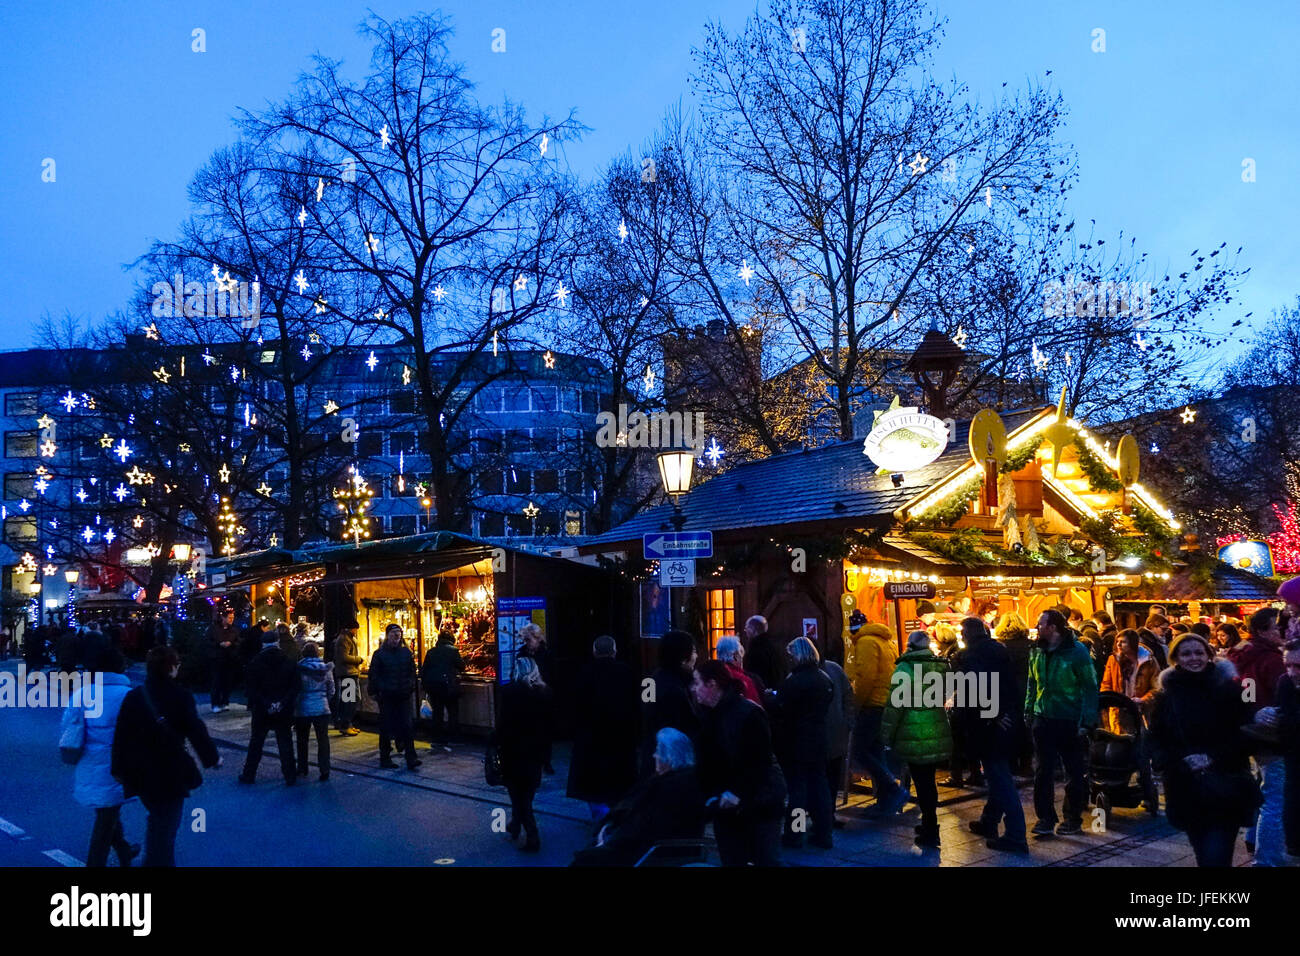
[(1129, 464)]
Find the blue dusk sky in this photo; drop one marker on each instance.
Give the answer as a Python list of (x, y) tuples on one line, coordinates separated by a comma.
[(110, 89)]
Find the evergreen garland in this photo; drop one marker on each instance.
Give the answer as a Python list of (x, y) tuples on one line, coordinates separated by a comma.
[(949, 512), (1099, 476), (1021, 457)]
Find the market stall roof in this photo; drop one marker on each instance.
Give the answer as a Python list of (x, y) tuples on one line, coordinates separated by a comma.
[(255, 566), (833, 483), (1228, 585)]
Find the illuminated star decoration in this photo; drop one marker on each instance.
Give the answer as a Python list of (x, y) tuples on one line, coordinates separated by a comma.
[(622, 230), (123, 451), (371, 362), (88, 534), (300, 281), (383, 137), (138, 521), (224, 472), (121, 491), (88, 402), (106, 440), (439, 292), (959, 339), (45, 421), (1141, 343), (1155, 449), (1059, 433), (314, 338), (48, 448), (644, 302), (234, 373), (545, 142), (135, 476), (563, 294), (24, 505), (28, 562), (421, 489), (306, 353), (184, 447), (69, 401), (320, 188), (521, 283), (371, 242), (746, 272), (917, 166), (406, 375), (82, 495), (162, 374), (208, 358), (321, 304), (1041, 361), (380, 314), (649, 378), (275, 539), (41, 485), (532, 511), (109, 535), (51, 570), (1188, 415), (331, 407), (713, 452), (302, 215), (549, 359), (264, 490), (151, 331)]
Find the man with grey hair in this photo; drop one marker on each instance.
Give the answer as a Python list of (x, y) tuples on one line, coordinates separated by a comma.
[(668, 805), (731, 652), (765, 655)]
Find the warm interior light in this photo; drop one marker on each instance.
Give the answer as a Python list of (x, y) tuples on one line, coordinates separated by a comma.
[(675, 467), (72, 575), (181, 551)]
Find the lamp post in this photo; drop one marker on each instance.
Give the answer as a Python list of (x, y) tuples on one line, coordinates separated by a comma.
[(675, 466), (71, 575)]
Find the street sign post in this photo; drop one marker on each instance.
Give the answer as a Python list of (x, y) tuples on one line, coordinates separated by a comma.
[(677, 544), (898, 590)]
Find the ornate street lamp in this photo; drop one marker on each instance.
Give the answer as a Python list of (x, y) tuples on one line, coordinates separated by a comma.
[(675, 466)]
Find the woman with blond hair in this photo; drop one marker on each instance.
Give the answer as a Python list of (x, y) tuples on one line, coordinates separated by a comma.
[(524, 742)]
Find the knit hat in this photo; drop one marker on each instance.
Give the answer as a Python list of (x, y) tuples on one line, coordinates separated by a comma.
[(856, 620), (1290, 591), (918, 640), (1188, 636)]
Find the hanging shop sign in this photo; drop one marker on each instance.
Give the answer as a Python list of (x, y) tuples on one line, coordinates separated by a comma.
[(1253, 556), (988, 438), (904, 439), (910, 589), (1064, 581), (1001, 582), (512, 615), (1116, 580)]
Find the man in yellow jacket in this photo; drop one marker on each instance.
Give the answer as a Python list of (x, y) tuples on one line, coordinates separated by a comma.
[(870, 668)]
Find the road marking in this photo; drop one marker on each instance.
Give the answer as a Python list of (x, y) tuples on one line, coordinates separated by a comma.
[(58, 856), (9, 828)]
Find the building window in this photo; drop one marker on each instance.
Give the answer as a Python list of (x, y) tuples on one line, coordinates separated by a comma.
[(402, 524), (517, 400), (22, 404), (401, 442), (519, 440), (402, 403), (20, 445), (20, 530), (492, 526), (517, 481), (544, 399), (545, 481), (20, 486), (722, 615), (370, 444), (491, 482), (573, 482)]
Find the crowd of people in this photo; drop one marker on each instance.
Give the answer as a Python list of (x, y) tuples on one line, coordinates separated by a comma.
[(761, 740)]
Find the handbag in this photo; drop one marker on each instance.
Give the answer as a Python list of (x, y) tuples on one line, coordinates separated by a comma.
[(72, 737), (492, 765)]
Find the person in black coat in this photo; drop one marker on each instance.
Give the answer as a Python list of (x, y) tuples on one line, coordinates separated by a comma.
[(1287, 702), (670, 703), (994, 733), (799, 709), (606, 726), (149, 755), (763, 653), (523, 741), (440, 675), (271, 683), (1198, 746), (392, 682), (738, 771), (666, 806)]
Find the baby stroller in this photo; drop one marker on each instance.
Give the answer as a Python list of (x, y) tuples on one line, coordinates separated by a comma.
[(1117, 758)]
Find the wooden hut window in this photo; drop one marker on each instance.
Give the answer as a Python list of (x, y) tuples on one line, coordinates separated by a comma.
[(722, 615)]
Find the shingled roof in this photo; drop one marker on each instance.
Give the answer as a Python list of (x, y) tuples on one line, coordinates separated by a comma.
[(1230, 585), (835, 483)]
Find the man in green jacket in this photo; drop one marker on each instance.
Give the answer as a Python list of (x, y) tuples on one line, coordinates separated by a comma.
[(1061, 707)]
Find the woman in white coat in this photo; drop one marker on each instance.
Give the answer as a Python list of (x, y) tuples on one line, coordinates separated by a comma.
[(88, 725)]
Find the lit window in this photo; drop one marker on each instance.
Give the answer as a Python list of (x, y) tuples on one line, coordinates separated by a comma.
[(722, 615)]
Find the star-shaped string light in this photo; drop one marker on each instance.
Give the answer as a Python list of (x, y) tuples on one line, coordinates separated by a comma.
[(234, 373), (51, 570), (960, 338), (714, 452), (183, 447), (622, 230), (45, 421), (138, 521), (562, 294), (41, 485), (151, 331), (917, 165), (135, 476), (532, 511), (224, 472), (331, 407), (746, 271), (306, 353), (88, 534), (1188, 415), (69, 402), (649, 378), (372, 243), (264, 490), (302, 215), (123, 451), (208, 358), (121, 491), (371, 361), (1041, 361), (439, 292), (521, 283), (406, 375), (109, 535), (106, 440), (549, 359), (82, 495), (321, 305), (28, 562), (24, 505), (48, 448), (300, 280)]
